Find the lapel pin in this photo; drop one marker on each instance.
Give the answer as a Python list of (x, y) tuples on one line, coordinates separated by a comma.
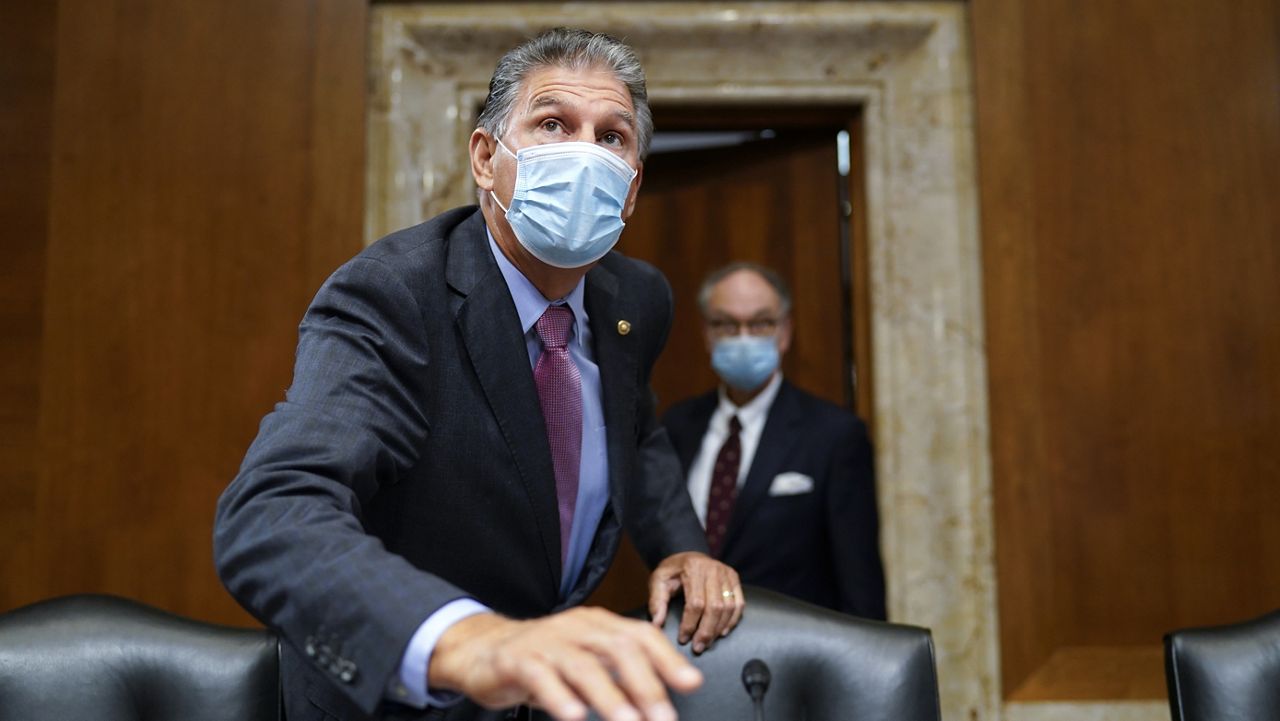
[(624, 327)]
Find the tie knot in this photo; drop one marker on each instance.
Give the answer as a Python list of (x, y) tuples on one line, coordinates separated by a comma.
[(734, 425), (554, 326)]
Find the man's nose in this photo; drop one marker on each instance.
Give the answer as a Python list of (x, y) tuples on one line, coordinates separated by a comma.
[(585, 134)]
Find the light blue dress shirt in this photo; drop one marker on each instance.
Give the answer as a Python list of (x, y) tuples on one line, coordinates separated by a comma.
[(409, 685)]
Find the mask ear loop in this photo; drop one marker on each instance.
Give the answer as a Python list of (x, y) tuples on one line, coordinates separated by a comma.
[(495, 195)]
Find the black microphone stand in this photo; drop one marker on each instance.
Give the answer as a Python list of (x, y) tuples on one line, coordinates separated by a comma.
[(756, 677)]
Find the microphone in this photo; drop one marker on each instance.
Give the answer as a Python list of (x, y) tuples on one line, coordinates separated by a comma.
[(756, 677)]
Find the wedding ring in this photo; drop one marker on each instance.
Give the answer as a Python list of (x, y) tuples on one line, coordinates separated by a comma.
[(728, 594)]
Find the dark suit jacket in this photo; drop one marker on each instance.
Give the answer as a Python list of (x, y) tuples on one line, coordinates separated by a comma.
[(409, 464), (822, 546)]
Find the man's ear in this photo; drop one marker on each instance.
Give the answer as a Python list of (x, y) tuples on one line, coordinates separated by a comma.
[(482, 149), (634, 193), (707, 340), (784, 335)]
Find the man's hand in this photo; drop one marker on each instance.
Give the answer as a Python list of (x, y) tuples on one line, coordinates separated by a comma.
[(579, 659), (712, 597)]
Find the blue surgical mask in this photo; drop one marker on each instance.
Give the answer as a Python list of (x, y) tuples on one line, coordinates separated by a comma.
[(745, 362), (568, 201)]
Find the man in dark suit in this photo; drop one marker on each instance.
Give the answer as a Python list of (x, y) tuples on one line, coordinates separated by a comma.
[(782, 480), (470, 428)]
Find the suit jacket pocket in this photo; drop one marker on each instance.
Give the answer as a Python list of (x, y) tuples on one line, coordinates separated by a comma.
[(790, 483)]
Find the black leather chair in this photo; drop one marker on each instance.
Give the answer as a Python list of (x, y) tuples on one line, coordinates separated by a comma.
[(825, 666), (111, 659), (1225, 673)]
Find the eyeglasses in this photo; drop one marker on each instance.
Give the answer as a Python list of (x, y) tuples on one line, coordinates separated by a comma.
[(726, 327)]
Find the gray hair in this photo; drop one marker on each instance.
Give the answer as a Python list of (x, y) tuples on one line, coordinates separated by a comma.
[(567, 48), (769, 275)]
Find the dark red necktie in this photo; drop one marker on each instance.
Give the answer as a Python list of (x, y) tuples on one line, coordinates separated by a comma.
[(560, 393), (724, 488)]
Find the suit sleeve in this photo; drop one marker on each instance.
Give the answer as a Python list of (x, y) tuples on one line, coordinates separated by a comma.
[(854, 525), (289, 541), (661, 519)]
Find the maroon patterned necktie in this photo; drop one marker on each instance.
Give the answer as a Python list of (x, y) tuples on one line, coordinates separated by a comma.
[(560, 393), (724, 488)]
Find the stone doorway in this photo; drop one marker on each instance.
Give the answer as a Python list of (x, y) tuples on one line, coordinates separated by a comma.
[(906, 65)]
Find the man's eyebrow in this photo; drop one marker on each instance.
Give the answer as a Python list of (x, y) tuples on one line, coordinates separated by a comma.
[(543, 101), (627, 118), (552, 100)]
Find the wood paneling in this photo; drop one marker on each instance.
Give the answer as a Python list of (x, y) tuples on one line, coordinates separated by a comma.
[(26, 110), (1129, 170), (205, 176)]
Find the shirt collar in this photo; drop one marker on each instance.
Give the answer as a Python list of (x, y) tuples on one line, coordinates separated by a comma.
[(530, 303), (755, 409)]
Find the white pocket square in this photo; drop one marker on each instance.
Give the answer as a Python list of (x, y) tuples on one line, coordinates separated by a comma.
[(790, 484)]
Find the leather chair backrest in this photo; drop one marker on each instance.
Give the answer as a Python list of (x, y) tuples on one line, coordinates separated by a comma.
[(1225, 673), (825, 666), (111, 659)]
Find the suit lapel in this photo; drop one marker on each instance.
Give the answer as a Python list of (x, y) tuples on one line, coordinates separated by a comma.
[(700, 421), (490, 329), (619, 380), (781, 432)]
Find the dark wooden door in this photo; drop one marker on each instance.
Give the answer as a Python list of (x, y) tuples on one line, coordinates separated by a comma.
[(776, 200)]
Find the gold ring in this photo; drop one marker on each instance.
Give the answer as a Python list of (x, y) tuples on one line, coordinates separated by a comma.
[(728, 594)]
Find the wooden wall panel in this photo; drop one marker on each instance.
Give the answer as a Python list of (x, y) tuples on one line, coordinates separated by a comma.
[(205, 176), (1129, 169), (26, 109)]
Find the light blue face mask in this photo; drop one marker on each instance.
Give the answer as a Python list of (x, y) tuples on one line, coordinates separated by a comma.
[(745, 362), (567, 206)]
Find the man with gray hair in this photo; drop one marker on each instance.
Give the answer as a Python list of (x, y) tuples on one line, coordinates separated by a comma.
[(783, 481), (470, 429)]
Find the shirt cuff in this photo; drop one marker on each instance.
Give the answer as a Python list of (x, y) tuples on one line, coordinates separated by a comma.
[(409, 684)]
